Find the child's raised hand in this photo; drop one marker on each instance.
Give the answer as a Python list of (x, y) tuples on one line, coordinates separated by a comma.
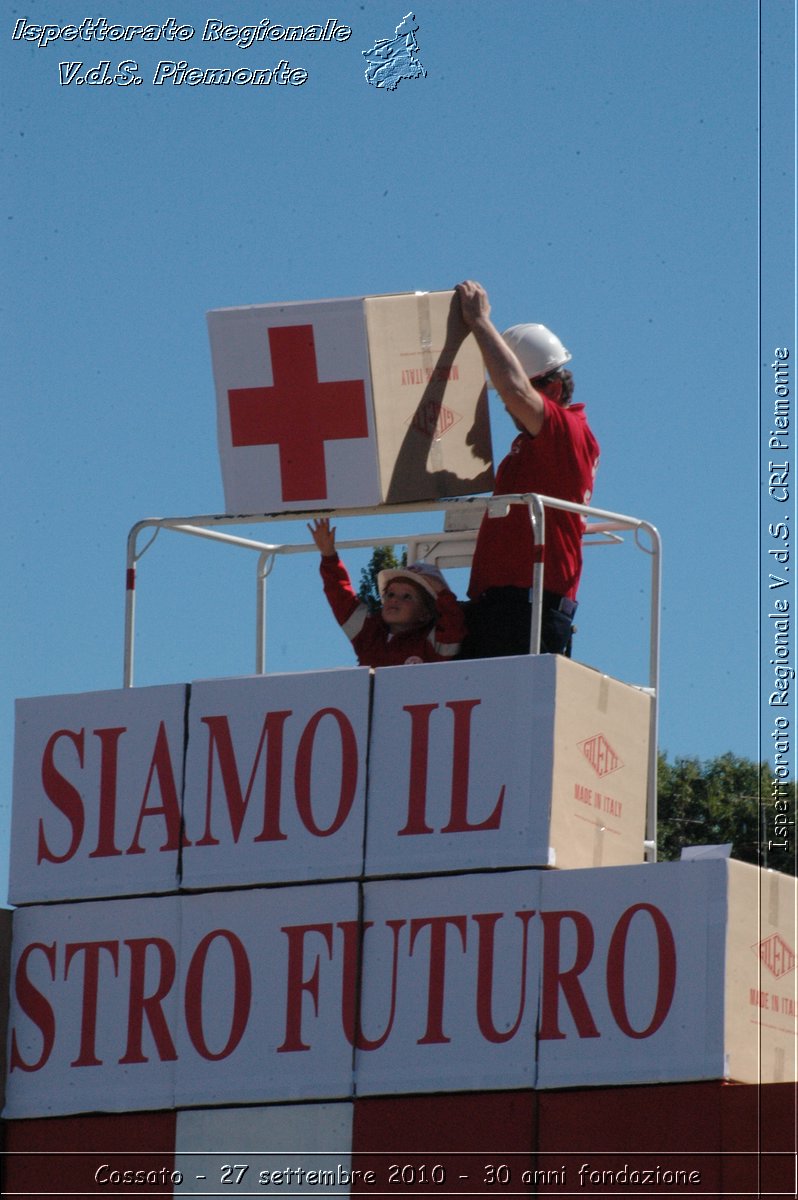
[(323, 536)]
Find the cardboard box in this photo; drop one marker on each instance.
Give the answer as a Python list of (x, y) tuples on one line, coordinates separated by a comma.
[(275, 779), (697, 975), (349, 403), (511, 762), (450, 985), (761, 992), (98, 783)]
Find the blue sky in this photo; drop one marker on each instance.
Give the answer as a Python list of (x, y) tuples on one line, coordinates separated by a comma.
[(592, 162)]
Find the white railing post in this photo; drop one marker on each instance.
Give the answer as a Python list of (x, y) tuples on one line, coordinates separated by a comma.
[(130, 619), (265, 563), (654, 682), (133, 556)]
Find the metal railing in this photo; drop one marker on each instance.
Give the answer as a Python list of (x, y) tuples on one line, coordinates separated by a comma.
[(449, 547)]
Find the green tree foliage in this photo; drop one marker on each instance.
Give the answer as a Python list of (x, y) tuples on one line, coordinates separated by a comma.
[(383, 559), (726, 799)]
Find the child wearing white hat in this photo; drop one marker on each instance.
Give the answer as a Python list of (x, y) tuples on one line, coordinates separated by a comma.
[(420, 619)]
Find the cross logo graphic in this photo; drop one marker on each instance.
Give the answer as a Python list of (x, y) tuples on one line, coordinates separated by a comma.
[(298, 413)]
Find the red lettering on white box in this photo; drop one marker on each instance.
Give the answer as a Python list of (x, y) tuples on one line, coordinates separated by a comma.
[(220, 749), (98, 782), (145, 1003), (274, 786), (149, 998), (67, 799), (465, 993), (263, 778), (275, 778), (458, 821), (464, 778), (497, 979)]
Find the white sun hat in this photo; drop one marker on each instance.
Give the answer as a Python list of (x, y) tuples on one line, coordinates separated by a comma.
[(419, 573)]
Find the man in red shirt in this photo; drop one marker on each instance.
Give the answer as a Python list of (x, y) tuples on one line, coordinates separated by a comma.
[(555, 454)]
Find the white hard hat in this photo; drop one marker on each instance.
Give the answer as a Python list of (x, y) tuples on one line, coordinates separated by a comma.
[(418, 573), (538, 349)]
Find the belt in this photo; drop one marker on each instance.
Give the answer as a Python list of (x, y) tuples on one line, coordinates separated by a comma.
[(551, 600), (563, 604)]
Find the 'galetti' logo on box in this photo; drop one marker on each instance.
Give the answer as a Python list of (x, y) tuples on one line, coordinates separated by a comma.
[(776, 955), (433, 419), (600, 754)]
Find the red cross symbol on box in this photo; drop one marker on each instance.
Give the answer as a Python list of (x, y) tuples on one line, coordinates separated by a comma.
[(298, 413)]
